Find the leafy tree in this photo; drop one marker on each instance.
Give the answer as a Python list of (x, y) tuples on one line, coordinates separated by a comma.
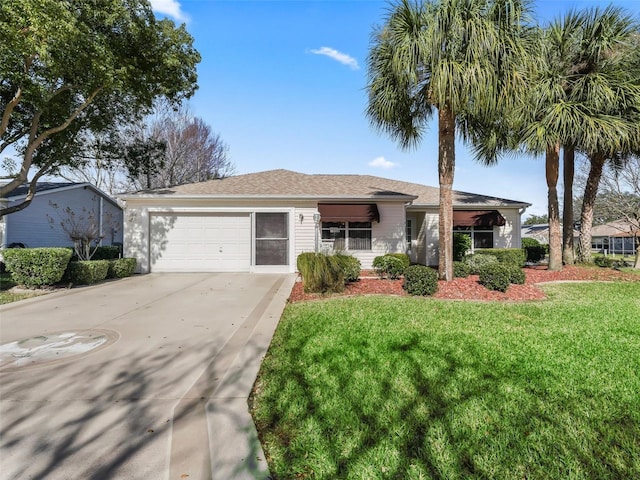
[(536, 219), (438, 56), (72, 67)]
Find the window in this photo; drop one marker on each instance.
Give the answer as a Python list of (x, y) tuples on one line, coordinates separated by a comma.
[(481, 237), (272, 239), (347, 235)]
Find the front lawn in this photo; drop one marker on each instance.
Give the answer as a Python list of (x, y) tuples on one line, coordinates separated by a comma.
[(6, 283), (412, 388)]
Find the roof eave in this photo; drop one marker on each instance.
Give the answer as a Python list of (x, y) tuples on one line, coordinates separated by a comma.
[(319, 198)]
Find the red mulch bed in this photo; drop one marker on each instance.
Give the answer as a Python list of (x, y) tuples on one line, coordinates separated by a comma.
[(469, 288)]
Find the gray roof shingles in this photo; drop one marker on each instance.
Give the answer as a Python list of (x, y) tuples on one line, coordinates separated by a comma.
[(286, 183)]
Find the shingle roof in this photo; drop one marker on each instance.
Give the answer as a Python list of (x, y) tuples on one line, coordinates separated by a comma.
[(286, 183), (41, 187)]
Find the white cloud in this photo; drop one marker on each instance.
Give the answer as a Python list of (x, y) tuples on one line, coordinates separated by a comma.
[(170, 8), (343, 58), (381, 162)]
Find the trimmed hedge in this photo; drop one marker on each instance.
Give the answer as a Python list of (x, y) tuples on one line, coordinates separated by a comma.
[(403, 257), (476, 262), (390, 265), (496, 276), (36, 267), (108, 252), (420, 280), (321, 273), (511, 256), (87, 272), (351, 267), (516, 275), (461, 270), (121, 267), (461, 245)]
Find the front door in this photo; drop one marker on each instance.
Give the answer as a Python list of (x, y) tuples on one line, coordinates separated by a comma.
[(411, 237)]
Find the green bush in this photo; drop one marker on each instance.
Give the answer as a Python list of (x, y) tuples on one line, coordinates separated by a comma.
[(477, 261), (87, 272), (109, 252), (530, 242), (461, 245), (121, 267), (403, 257), (351, 267), (496, 276), (461, 270), (389, 266), (606, 262), (36, 267), (535, 253), (420, 280), (516, 275), (321, 273), (511, 256)]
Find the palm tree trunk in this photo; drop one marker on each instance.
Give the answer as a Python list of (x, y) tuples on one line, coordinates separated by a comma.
[(568, 163), (588, 202), (552, 168), (446, 165)]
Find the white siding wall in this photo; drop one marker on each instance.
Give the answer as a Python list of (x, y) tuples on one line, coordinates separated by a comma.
[(431, 237), (38, 225), (305, 237), (388, 236), (508, 236)]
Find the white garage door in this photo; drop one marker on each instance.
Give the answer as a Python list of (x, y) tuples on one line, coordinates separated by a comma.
[(200, 243)]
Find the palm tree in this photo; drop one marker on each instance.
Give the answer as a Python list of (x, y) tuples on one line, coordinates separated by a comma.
[(455, 57), (610, 83), (574, 102)]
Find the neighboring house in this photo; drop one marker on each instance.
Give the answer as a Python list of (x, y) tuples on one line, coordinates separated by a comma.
[(540, 232), (618, 237), (261, 222), (78, 204)]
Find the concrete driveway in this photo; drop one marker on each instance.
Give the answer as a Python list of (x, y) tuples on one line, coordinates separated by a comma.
[(142, 378)]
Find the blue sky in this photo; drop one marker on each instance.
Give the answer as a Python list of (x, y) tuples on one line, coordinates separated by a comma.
[(283, 82)]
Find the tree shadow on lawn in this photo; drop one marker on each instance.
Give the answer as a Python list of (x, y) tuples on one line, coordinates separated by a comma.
[(450, 417)]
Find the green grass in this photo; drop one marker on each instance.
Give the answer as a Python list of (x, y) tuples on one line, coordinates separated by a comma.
[(406, 388), (6, 283)]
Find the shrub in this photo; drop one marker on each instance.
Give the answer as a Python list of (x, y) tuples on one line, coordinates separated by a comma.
[(535, 253), (530, 242), (87, 272), (109, 252), (321, 273), (389, 266), (606, 262), (36, 267), (403, 257), (121, 267), (516, 275), (477, 261), (461, 270), (511, 256), (461, 245), (351, 267), (420, 280), (496, 276)]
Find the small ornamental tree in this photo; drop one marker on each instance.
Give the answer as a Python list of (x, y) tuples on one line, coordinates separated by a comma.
[(82, 228)]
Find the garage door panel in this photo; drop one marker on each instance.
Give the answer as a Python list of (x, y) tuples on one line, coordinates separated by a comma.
[(200, 243)]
